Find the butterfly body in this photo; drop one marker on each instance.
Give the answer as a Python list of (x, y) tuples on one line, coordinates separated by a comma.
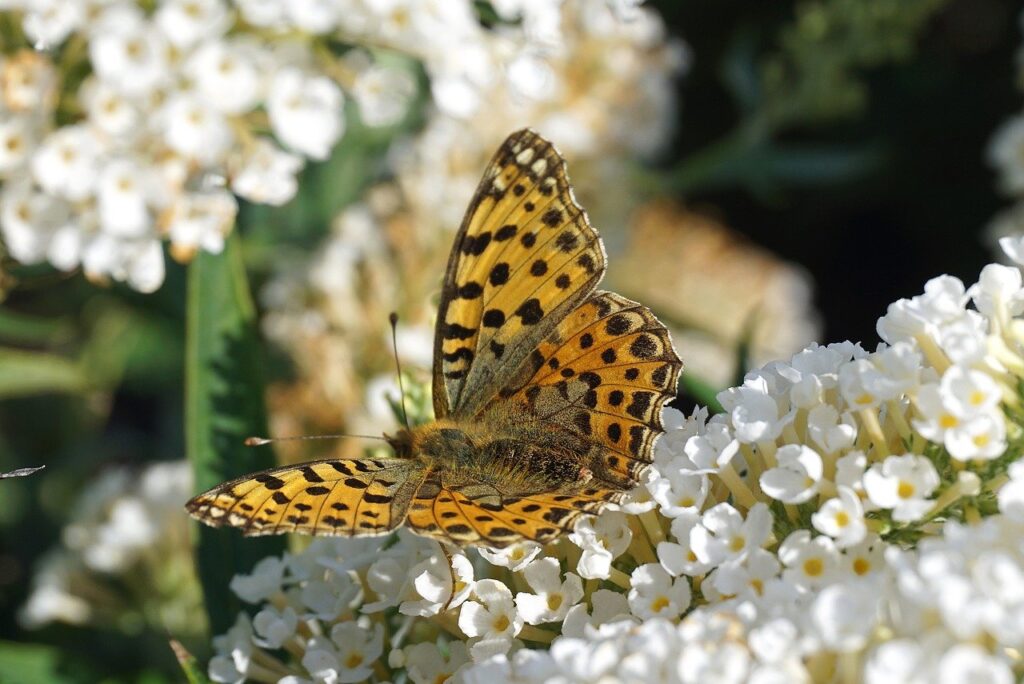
[(547, 392), (521, 459)]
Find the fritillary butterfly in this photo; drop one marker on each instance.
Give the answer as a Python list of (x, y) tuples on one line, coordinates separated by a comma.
[(547, 392)]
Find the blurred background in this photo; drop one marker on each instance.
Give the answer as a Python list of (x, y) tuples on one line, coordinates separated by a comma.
[(207, 210)]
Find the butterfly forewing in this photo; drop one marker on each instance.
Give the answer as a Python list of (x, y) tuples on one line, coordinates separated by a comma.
[(524, 257), (332, 497)]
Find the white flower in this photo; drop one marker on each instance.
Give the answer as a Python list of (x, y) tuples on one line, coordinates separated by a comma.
[(17, 139), (266, 174), (809, 562), (65, 163), (515, 556), (196, 130), (201, 220), (127, 52), (441, 586), (383, 94), (679, 428), (900, 661), (724, 535), (903, 484), (314, 16), (305, 112), (186, 22), (48, 23), (998, 292), (969, 393), (608, 606), (264, 581), (844, 615), (1011, 494), (121, 193), (234, 652), (492, 617), (28, 219), (841, 518), (885, 375), (228, 75), (713, 448), (358, 647), (274, 626), (747, 579), (657, 593), (602, 538), (943, 301), (109, 110), (1013, 247), (797, 477), (679, 491), (425, 663), (756, 414), (678, 557), (553, 597), (971, 663), (830, 431), (326, 598), (981, 438)]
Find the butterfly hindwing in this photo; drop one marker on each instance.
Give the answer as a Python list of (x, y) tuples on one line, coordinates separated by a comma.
[(360, 497), (472, 512), (524, 257), (604, 372)]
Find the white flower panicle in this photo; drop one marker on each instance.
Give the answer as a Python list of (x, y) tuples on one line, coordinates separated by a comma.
[(848, 507)]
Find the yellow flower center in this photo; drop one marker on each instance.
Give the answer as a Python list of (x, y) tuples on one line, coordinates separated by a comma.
[(865, 399), (842, 519), (981, 440), (354, 660), (758, 586), (686, 501), (905, 490), (861, 566), (813, 567), (501, 624), (659, 604), (947, 421), (737, 543), (554, 601), (977, 397)]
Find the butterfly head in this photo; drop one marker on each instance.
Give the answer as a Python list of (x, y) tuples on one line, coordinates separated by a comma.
[(401, 442)]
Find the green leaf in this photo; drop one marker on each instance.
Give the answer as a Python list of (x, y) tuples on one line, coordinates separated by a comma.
[(21, 328), (223, 406), (193, 672), (24, 373), (27, 663)]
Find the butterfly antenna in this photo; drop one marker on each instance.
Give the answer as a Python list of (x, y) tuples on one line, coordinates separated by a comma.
[(393, 318), (260, 441)]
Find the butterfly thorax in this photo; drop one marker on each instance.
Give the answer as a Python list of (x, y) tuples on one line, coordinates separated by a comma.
[(519, 457)]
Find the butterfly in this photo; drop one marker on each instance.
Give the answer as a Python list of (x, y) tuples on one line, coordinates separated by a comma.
[(547, 392)]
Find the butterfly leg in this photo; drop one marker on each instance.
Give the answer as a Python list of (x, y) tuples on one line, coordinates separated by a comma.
[(451, 574)]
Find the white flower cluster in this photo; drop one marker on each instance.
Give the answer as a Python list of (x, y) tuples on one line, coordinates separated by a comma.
[(157, 139), (123, 557), (849, 511)]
